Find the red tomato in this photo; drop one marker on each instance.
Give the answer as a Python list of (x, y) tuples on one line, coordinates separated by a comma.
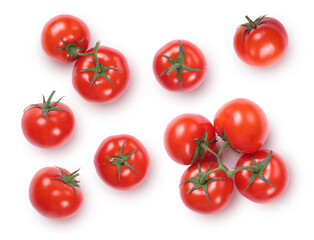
[(243, 123), (48, 124), (261, 43), (55, 193), (122, 162), (106, 84), (275, 173), (63, 37), (218, 188), (180, 135), (179, 66)]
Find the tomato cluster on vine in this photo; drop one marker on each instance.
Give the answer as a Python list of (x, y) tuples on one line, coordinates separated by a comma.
[(207, 186), (101, 75)]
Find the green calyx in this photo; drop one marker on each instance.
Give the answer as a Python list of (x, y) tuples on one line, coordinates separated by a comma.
[(72, 49), (257, 170), (99, 69), (201, 181), (121, 160), (252, 24), (217, 156), (69, 180), (48, 106), (178, 64), (199, 149)]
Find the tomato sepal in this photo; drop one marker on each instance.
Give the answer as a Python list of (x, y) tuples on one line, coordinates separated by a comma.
[(201, 181), (252, 24), (99, 69), (224, 137), (71, 48), (69, 180), (121, 160), (47, 105), (199, 149), (257, 170)]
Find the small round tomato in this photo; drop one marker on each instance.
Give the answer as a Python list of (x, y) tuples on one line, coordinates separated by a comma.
[(261, 43), (55, 193), (122, 162), (48, 124), (185, 135), (205, 194), (104, 79), (179, 66), (243, 123), (267, 181), (63, 37)]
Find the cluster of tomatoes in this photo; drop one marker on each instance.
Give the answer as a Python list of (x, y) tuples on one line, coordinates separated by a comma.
[(207, 185), (101, 75)]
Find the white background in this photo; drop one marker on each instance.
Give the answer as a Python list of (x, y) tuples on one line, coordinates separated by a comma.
[(138, 29)]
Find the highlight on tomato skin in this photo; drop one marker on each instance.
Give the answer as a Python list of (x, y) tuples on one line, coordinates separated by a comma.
[(243, 123), (264, 188), (64, 36), (261, 43)]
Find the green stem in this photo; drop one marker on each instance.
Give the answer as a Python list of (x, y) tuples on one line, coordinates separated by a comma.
[(174, 67), (97, 65), (226, 144), (230, 173), (119, 160), (209, 150), (85, 54), (220, 165), (253, 169), (205, 175)]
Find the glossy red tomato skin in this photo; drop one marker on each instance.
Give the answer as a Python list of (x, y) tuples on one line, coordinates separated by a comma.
[(180, 134), (219, 192), (259, 191), (53, 198), (52, 133), (129, 178), (245, 124), (264, 45), (102, 91), (194, 58), (71, 29)]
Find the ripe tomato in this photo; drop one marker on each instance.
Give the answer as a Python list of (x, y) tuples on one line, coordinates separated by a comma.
[(63, 37), (211, 196), (55, 193), (122, 162), (179, 66), (268, 182), (105, 84), (243, 123), (48, 124), (180, 136), (261, 43)]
